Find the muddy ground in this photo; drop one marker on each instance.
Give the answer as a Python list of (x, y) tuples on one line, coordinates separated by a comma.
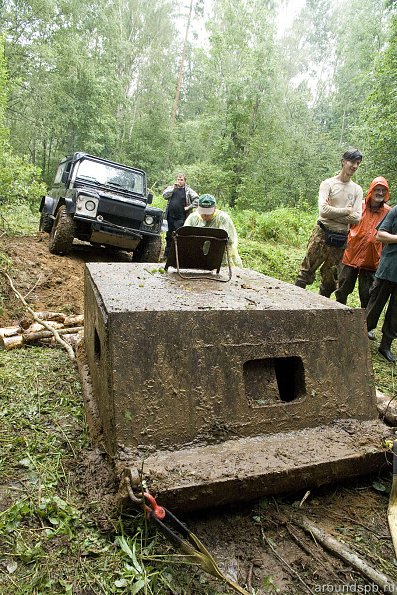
[(259, 544)]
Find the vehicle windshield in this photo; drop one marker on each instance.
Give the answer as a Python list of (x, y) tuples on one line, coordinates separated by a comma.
[(110, 175)]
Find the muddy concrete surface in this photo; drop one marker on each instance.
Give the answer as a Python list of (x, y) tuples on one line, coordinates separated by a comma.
[(210, 396), (258, 543)]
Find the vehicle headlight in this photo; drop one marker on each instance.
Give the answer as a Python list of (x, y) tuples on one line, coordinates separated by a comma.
[(87, 205), (90, 205), (149, 219)]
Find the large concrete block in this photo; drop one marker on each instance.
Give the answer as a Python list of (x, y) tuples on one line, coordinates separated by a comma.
[(178, 364)]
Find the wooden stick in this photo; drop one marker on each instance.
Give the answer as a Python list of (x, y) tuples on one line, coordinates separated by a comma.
[(34, 286), (313, 555), (346, 554), (68, 348), (392, 508), (281, 559)]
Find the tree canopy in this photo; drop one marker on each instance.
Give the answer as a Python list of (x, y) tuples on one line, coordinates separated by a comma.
[(255, 112)]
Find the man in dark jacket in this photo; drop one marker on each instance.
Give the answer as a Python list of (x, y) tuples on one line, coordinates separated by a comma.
[(181, 201), (384, 289)]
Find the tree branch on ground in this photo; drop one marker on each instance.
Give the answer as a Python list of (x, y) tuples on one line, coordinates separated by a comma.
[(65, 345)]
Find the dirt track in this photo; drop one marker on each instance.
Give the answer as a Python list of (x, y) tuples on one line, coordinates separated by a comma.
[(257, 544)]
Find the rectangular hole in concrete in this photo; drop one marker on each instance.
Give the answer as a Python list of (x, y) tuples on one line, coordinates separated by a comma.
[(273, 380), (97, 345)]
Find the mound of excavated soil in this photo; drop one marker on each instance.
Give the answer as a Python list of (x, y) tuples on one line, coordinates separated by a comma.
[(46, 281)]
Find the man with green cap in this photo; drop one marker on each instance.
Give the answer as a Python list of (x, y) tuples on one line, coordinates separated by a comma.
[(207, 215)]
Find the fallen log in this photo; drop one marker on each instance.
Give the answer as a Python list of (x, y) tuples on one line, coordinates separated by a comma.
[(38, 326), (57, 317), (31, 337), (77, 320), (13, 342), (9, 331), (54, 316), (345, 553), (73, 339)]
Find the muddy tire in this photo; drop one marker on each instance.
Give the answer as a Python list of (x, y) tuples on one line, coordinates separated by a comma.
[(62, 233), (148, 250), (45, 223)]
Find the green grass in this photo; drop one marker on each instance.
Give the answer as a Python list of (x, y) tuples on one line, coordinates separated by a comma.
[(54, 537)]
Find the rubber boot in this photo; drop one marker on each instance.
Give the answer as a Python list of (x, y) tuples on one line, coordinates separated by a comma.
[(300, 283), (384, 349), (325, 292)]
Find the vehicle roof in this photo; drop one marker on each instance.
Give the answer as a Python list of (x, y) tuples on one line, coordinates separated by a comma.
[(80, 155)]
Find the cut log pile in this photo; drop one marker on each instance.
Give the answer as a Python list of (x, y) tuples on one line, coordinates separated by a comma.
[(32, 333)]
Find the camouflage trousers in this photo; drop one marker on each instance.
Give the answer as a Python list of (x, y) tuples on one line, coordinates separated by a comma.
[(326, 258)]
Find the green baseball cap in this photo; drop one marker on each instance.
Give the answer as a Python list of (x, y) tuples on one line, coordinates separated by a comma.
[(206, 204)]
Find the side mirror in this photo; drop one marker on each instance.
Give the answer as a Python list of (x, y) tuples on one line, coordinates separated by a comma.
[(65, 176), (149, 198)]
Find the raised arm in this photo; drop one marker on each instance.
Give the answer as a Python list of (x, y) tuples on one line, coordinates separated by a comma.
[(167, 193)]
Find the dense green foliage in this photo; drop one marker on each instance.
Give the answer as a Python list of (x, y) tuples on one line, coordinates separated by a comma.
[(264, 111), (379, 130), (20, 181)]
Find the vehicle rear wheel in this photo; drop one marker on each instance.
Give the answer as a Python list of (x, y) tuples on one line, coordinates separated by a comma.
[(45, 222), (62, 233), (148, 250)]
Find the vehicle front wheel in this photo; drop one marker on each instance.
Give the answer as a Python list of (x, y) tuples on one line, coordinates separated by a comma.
[(148, 250), (62, 233)]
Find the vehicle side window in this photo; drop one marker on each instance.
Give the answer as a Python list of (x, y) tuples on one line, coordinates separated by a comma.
[(65, 166)]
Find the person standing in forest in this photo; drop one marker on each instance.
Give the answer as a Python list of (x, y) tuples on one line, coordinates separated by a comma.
[(361, 257), (339, 204), (384, 288), (181, 201)]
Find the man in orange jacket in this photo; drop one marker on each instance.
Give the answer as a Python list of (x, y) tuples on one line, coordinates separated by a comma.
[(361, 257)]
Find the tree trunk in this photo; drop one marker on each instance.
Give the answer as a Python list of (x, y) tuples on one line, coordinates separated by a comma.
[(182, 66)]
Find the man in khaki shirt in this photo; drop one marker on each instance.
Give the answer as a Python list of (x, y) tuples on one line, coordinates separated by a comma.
[(339, 205)]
